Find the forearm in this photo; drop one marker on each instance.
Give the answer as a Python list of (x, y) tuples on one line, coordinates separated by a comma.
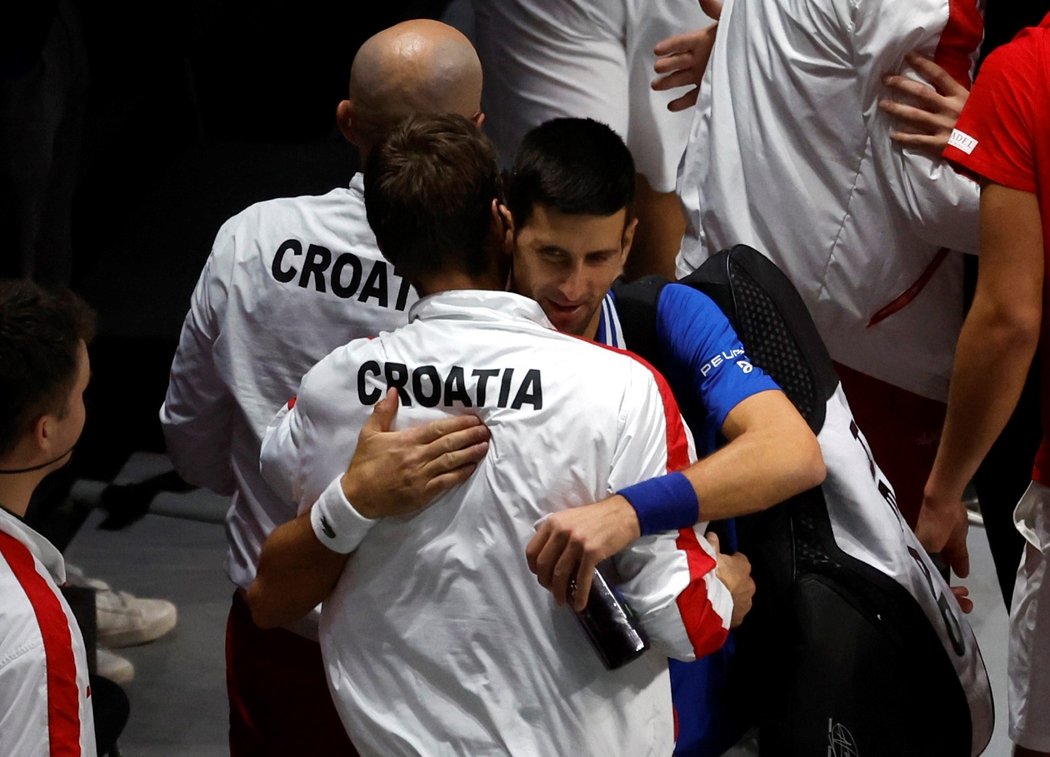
[(201, 455), (772, 455), (197, 414), (991, 363), (759, 471), (302, 560), (296, 573), (998, 339)]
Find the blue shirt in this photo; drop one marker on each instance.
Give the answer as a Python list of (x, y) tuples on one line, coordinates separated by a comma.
[(710, 374), (704, 359)]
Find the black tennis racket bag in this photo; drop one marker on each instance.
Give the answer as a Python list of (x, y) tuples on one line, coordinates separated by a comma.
[(855, 646)]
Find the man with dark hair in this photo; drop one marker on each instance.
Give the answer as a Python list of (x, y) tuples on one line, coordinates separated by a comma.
[(546, 59), (549, 198), (45, 705), (44, 337), (435, 633), (569, 211)]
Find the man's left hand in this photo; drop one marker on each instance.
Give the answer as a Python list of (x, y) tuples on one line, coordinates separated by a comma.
[(399, 472)]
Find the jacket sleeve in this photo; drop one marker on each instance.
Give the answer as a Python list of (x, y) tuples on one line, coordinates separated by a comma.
[(281, 455), (198, 408), (669, 578), (941, 203), (311, 439)]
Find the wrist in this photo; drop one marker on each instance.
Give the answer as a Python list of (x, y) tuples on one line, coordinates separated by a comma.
[(942, 494), (666, 503), (336, 523), (626, 517), (356, 499)]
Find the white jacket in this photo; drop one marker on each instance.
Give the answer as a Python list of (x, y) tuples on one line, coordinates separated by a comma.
[(438, 639), (288, 281), (790, 154), (45, 695)]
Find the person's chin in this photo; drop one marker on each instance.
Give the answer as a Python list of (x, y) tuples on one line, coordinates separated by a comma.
[(567, 321)]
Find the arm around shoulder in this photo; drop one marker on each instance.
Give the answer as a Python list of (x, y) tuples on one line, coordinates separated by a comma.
[(297, 571)]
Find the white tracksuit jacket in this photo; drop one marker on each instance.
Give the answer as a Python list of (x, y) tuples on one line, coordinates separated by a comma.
[(45, 696), (438, 640), (789, 153), (288, 281)]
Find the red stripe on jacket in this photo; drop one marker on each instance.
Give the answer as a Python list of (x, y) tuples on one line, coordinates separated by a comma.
[(960, 39), (703, 625), (63, 693)]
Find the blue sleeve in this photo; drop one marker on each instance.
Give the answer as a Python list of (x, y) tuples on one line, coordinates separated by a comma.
[(710, 374), (704, 354)]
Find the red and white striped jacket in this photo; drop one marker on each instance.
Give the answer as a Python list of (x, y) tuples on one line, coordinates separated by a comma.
[(45, 696), (437, 633)]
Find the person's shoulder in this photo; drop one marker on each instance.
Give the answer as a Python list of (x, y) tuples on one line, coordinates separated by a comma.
[(20, 574), (271, 210), (266, 225), (679, 303), (1015, 61), (610, 366), (334, 365)]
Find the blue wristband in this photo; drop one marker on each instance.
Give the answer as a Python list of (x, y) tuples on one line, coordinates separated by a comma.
[(667, 503)]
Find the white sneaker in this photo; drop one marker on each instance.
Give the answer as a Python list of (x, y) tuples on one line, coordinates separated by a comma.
[(122, 619), (125, 620), (114, 667)]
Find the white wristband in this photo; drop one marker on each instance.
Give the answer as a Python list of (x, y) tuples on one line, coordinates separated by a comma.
[(336, 523)]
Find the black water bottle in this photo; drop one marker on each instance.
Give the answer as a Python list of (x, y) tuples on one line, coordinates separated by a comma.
[(612, 625)]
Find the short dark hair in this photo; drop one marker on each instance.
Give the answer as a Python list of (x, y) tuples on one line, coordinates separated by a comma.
[(429, 187), (573, 165), (39, 334)]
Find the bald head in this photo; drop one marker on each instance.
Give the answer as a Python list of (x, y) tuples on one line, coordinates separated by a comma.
[(418, 66)]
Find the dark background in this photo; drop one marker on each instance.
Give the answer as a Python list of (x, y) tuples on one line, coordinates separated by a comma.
[(175, 116)]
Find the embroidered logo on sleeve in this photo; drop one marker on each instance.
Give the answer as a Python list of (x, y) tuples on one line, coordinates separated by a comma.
[(724, 356), (960, 140)]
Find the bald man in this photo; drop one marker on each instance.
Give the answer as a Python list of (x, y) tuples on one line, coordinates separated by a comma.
[(288, 281)]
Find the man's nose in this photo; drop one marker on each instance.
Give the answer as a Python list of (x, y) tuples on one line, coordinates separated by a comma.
[(574, 285)]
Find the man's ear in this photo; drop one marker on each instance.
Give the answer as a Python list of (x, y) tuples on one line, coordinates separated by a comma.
[(344, 120), (495, 218), (478, 119), (43, 431), (501, 215), (628, 237)]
